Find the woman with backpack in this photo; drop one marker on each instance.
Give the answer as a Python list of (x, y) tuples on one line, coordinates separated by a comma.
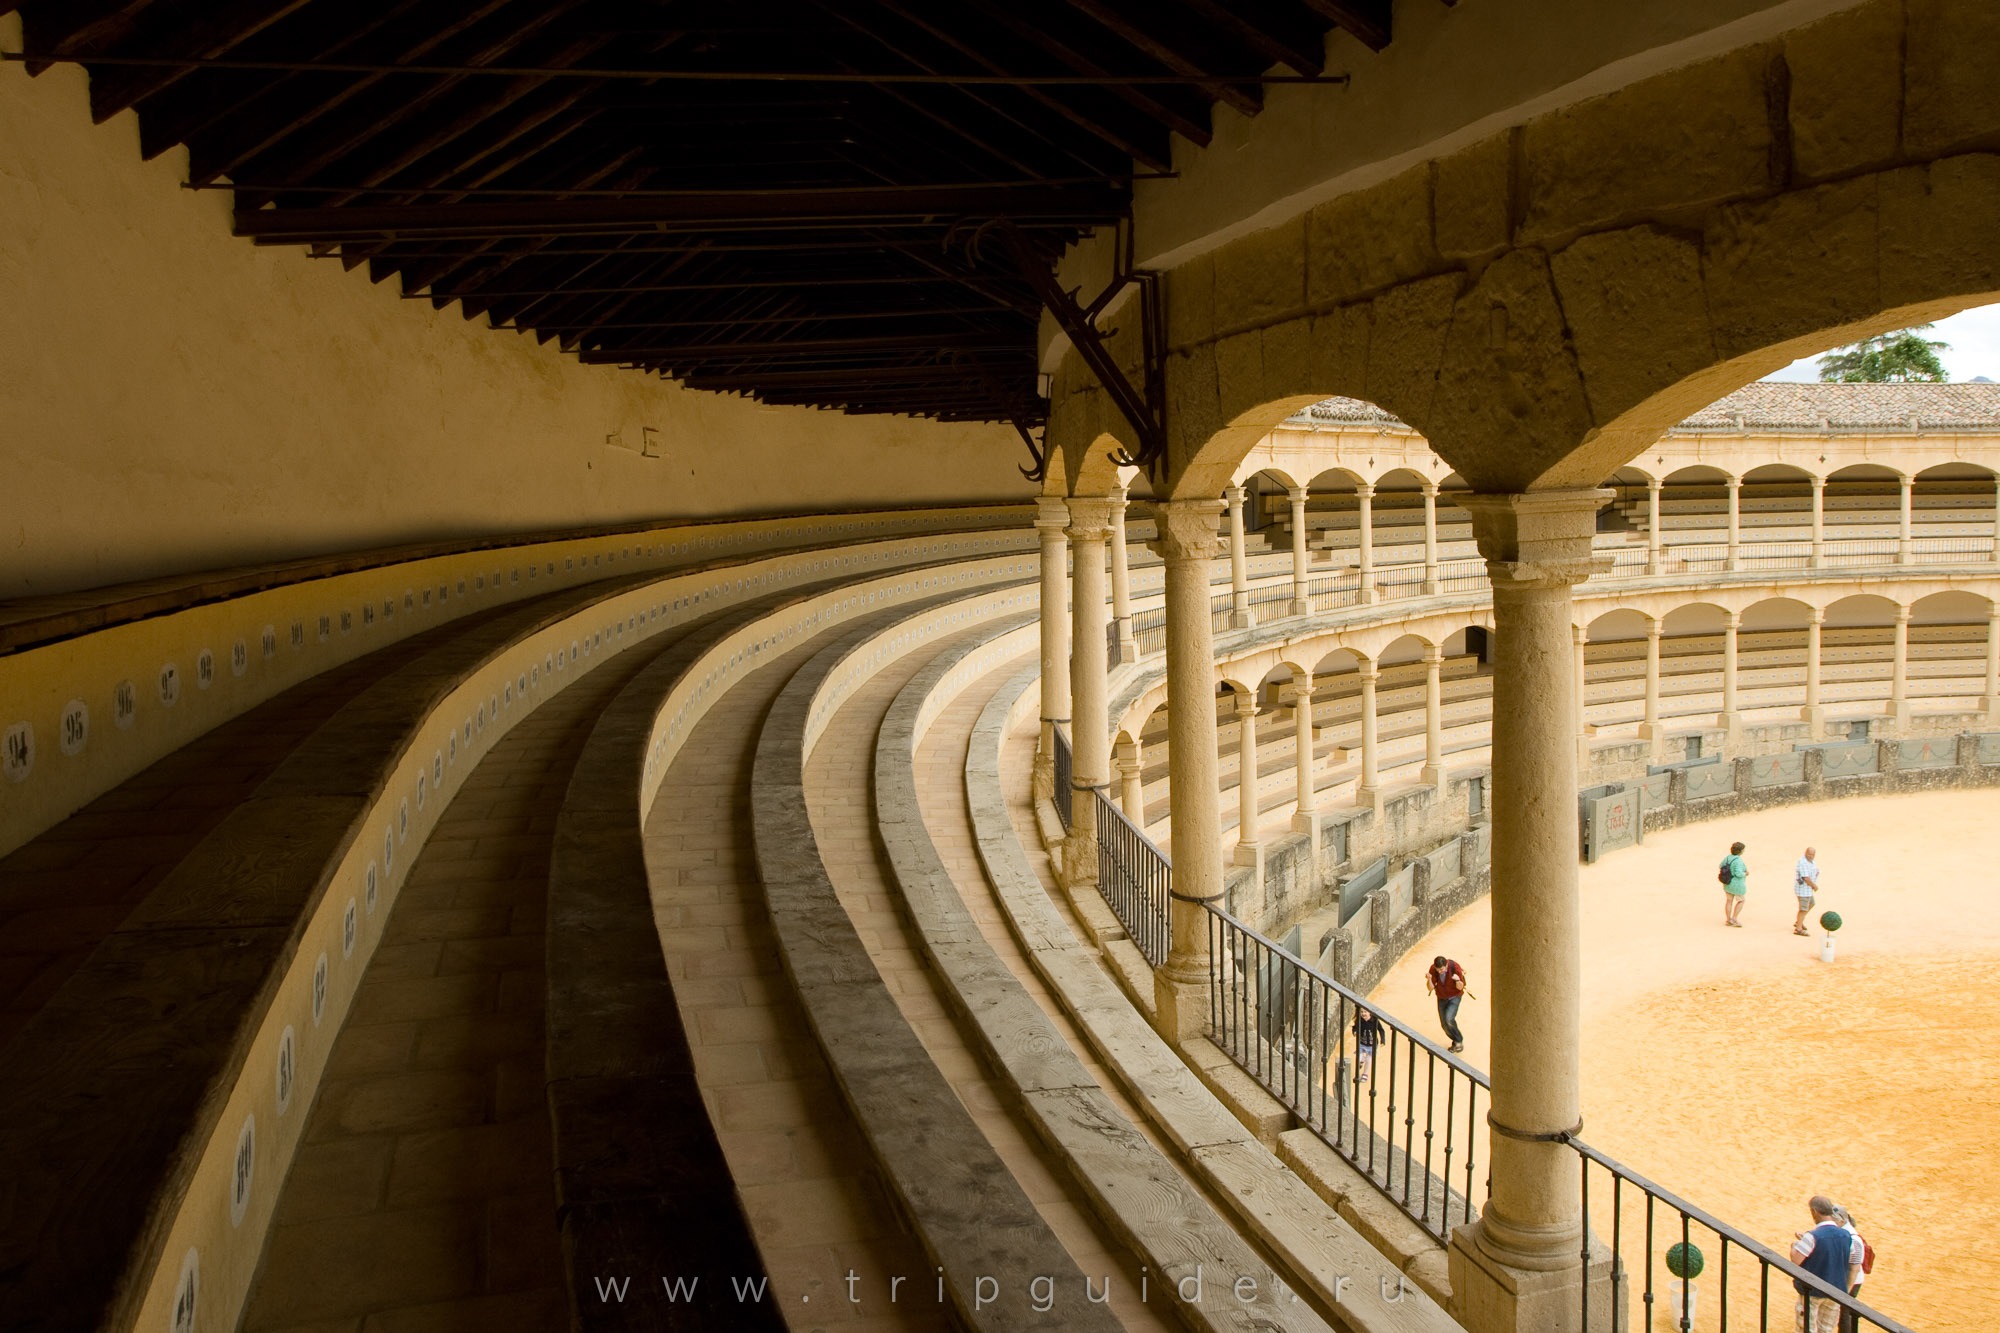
[(1860, 1263), (1735, 879)]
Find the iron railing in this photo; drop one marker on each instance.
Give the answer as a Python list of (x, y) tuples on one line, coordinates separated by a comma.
[(1136, 880), (1062, 795), (1411, 1126)]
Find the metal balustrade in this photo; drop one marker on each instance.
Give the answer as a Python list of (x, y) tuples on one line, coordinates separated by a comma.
[(1136, 880), (1411, 1126), (1062, 794)]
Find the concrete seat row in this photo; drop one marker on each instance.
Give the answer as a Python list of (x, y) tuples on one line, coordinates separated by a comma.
[(142, 1145)]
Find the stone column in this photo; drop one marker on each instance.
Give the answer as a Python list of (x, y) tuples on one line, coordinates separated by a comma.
[(1735, 491), (1904, 484), (1121, 581), (1581, 637), (1655, 557), (1814, 715), (1430, 584), (1239, 564), (1051, 519), (1301, 601), (1899, 671), (1727, 719), (1131, 766), (1369, 792), (1090, 728), (1819, 522), (1306, 821), (1433, 774), (1516, 1267), (1248, 845), (1366, 495), (1651, 730), (1992, 700), (1180, 986)]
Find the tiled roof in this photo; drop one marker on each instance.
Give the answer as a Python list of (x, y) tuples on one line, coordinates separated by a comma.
[(1772, 404), (1777, 405)]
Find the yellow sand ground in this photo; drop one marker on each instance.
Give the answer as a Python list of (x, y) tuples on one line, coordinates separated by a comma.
[(1737, 1069)]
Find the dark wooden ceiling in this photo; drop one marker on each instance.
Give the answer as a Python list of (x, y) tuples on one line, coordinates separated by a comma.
[(761, 196)]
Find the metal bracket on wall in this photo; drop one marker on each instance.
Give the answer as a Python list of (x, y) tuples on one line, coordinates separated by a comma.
[(1143, 406)]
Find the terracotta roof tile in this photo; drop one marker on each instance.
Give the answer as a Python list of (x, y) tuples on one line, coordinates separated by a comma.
[(1773, 404)]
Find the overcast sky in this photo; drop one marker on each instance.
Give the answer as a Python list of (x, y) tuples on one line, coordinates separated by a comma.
[(1974, 336)]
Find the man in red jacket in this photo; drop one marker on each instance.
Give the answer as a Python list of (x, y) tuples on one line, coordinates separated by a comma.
[(1446, 980)]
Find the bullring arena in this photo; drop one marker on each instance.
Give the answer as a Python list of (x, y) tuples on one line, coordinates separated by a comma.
[(1032, 560)]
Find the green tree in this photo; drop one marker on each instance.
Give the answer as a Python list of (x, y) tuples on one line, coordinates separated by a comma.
[(1900, 357)]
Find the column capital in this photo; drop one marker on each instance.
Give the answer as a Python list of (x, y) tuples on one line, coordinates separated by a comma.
[(1365, 489), (1579, 634), (1090, 518), (1186, 529), (1732, 481), (1537, 538), (1655, 484), (1902, 614), (1433, 657), (1301, 683), (1815, 615), (1051, 513), (1732, 619), (1234, 495), (1296, 494), (1246, 703), (1430, 487), (1368, 672)]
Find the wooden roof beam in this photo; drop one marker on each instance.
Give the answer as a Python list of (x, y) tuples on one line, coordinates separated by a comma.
[(1248, 99), (1369, 20)]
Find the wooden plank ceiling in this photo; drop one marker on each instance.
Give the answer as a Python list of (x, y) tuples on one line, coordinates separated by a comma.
[(757, 196)]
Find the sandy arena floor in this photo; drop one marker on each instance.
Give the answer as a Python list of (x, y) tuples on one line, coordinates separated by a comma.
[(1738, 1070)]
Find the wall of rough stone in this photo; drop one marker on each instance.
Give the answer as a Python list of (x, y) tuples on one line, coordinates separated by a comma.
[(175, 398)]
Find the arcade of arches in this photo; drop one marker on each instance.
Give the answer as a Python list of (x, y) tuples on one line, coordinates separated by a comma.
[(478, 827)]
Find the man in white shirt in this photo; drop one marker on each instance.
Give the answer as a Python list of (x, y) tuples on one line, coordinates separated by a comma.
[(1806, 886)]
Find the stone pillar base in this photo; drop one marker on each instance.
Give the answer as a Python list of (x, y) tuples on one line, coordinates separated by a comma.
[(1654, 567), (1990, 705), (1249, 854), (1731, 725), (1298, 606), (1370, 797), (1899, 715), (1180, 1006), (1429, 587), (1369, 596), (1432, 775), (1308, 822), (1815, 720), (1241, 620), (1128, 652), (1079, 858), (1731, 563), (1488, 1296)]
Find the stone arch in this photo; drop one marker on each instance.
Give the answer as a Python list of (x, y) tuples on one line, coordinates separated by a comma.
[(1694, 618), (1618, 625), (1096, 471), (1777, 613), (1865, 609), (1951, 606), (1864, 472), (1766, 473), (1403, 649)]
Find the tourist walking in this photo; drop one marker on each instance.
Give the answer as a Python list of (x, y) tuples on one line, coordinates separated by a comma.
[(1805, 883), (1735, 877), (1446, 980), (1824, 1252), (1367, 1036)]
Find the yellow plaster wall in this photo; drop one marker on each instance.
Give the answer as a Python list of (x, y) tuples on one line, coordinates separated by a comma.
[(175, 398)]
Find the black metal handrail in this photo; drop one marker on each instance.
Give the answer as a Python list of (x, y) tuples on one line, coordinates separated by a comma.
[(1293, 1029), (1061, 794), (1136, 880)]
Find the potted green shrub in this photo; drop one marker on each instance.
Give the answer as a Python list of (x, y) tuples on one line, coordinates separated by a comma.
[(1829, 922), (1684, 1261)]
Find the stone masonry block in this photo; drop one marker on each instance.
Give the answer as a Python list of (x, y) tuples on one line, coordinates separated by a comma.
[(1260, 277), (1194, 412), (1693, 136), (1510, 401), (1406, 345), (1371, 239), (1938, 237), (1637, 313), (1191, 302), (1288, 358), (1239, 373), (1340, 350), (1792, 266), (1470, 204), (1847, 89), (1950, 98)]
